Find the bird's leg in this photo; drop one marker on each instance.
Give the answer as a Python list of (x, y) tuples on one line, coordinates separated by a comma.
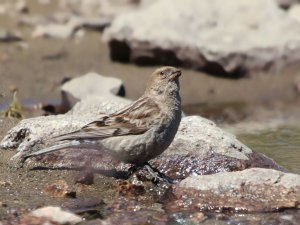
[(133, 169), (157, 175)]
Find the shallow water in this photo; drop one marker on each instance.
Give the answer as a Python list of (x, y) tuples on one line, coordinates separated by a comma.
[(281, 144)]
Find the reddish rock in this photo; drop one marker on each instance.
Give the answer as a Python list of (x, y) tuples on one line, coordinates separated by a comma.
[(59, 189), (251, 190), (128, 189)]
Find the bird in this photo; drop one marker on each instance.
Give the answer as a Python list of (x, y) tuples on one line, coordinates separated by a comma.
[(138, 132)]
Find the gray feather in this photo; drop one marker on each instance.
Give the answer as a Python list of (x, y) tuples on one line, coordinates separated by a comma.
[(54, 148)]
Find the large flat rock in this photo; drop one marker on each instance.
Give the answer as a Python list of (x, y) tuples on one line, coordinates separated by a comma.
[(200, 147), (207, 35), (251, 190)]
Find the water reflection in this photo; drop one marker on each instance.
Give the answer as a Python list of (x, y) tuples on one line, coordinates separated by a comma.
[(282, 145)]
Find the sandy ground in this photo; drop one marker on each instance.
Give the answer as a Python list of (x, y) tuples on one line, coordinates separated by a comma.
[(39, 78), (22, 190)]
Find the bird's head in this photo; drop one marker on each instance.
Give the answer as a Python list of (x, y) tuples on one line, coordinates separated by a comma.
[(164, 80)]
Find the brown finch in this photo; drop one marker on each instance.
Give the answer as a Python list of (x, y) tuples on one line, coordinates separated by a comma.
[(138, 132)]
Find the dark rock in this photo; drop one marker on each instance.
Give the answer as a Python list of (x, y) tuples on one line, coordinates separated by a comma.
[(251, 190), (6, 36), (84, 177), (21, 6), (285, 4), (128, 189), (202, 35)]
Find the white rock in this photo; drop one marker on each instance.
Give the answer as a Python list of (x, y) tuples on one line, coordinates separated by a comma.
[(92, 84), (56, 214), (207, 33), (62, 31), (197, 135), (294, 12), (227, 181), (7, 36)]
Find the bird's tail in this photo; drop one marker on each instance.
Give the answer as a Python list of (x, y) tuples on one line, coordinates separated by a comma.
[(69, 144)]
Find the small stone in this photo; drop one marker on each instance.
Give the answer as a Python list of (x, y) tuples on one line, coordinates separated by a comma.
[(56, 214), (21, 6), (84, 177), (84, 86), (62, 31), (287, 217), (128, 189), (59, 189), (196, 217), (2, 204), (5, 183), (6, 36)]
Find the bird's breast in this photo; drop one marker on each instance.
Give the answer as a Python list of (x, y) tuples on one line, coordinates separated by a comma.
[(143, 147)]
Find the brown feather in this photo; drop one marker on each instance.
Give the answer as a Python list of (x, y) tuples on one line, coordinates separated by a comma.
[(135, 119)]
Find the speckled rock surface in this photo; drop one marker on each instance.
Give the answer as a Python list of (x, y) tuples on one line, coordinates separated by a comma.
[(251, 190), (200, 147), (30, 132)]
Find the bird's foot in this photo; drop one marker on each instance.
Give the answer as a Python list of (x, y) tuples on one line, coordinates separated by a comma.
[(157, 176)]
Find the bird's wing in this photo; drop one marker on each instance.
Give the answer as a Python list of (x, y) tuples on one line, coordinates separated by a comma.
[(137, 118)]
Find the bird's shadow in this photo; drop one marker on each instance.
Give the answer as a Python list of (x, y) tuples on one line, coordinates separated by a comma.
[(124, 175), (156, 175)]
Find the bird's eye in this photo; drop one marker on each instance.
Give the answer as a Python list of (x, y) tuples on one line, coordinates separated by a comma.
[(162, 73)]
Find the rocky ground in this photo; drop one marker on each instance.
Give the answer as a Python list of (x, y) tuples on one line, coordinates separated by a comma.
[(200, 151), (44, 43)]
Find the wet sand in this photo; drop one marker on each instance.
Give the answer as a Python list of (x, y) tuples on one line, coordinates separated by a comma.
[(21, 190)]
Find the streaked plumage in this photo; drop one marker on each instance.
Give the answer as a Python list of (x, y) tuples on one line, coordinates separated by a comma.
[(140, 131)]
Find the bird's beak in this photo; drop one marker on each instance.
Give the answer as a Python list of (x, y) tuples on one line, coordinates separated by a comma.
[(176, 74)]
